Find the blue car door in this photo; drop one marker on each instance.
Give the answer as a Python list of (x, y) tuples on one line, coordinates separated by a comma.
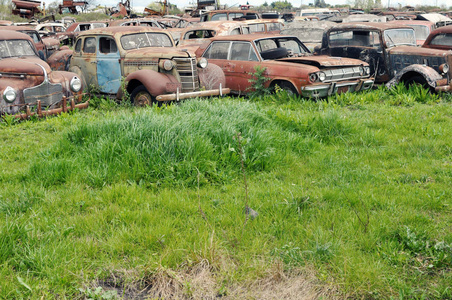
[(108, 66)]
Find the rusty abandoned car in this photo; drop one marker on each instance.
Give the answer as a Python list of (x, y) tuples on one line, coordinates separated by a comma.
[(27, 82), (288, 64), (153, 68), (391, 53)]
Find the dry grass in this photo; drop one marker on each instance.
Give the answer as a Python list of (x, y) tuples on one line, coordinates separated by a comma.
[(202, 282)]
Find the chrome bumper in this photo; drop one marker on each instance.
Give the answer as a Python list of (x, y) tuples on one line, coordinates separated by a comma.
[(324, 90)]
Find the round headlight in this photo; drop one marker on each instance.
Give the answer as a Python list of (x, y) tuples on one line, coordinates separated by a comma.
[(76, 84), (366, 70), (313, 77), (168, 65), (202, 63), (322, 76), (9, 94), (444, 68)]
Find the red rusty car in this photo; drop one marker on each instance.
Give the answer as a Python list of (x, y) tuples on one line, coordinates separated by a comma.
[(153, 68), (288, 64), (440, 38), (26, 80)]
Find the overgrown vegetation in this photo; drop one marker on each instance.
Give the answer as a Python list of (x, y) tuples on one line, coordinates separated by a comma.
[(352, 195)]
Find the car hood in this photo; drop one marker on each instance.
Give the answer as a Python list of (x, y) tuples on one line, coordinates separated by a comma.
[(156, 52), (24, 65), (421, 51), (323, 61)]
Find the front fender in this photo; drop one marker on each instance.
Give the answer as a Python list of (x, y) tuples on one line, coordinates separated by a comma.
[(58, 61), (211, 77), (430, 75), (156, 83)]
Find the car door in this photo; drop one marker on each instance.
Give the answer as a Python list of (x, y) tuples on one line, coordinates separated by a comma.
[(241, 64), (87, 60), (108, 66)]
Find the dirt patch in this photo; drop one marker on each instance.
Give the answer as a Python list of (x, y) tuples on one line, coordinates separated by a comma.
[(202, 282)]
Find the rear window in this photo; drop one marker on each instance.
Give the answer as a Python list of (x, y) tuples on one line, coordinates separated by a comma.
[(354, 38)]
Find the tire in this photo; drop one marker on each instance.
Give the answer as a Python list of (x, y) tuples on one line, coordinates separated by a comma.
[(141, 97), (287, 87), (274, 53)]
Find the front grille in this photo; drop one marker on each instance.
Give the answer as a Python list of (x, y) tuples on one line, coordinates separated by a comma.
[(140, 63), (47, 92), (186, 67), (342, 73)]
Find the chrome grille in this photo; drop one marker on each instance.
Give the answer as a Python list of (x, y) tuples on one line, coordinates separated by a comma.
[(47, 92), (343, 73), (186, 67), (140, 63)]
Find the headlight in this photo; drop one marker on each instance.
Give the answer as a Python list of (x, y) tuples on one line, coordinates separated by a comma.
[(166, 64), (322, 76), (9, 94), (365, 70), (313, 77), (76, 84), (202, 63), (444, 68)]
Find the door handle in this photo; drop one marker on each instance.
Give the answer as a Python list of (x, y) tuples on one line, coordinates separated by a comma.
[(94, 62)]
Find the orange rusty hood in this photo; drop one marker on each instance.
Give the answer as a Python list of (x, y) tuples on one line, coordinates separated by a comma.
[(26, 65), (324, 61), (418, 51), (157, 52)]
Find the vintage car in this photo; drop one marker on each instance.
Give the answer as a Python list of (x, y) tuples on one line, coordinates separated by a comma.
[(227, 15), (45, 46), (421, 28), (153, 68), (264, 25), (194, 36), (68, 37), (288, 64), (440, 38), (136, 22), (391, 53), (27, 81)]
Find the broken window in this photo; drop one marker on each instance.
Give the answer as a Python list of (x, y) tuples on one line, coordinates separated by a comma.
[(107, 45)]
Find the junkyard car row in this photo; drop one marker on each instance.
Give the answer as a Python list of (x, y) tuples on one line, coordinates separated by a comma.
[(150, 62)]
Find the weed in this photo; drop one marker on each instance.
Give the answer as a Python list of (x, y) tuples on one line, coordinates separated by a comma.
[(99, 294), (258, 83)]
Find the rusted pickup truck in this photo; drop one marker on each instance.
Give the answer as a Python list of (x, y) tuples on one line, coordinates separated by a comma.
[(391, 53), (27, 82), (153, 68)]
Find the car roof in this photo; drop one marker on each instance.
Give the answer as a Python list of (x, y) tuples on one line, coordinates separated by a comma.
[(368, 25), (443, 29), (247, 37), (17, 28), (121, 30), (14, 35)]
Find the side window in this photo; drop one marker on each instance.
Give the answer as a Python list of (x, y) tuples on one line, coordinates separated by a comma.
[(242, 51), (90, 45), (219, 17), (217, 50), (235, 31), (107, 45), (443, 39), (98, 25), (78, 46)]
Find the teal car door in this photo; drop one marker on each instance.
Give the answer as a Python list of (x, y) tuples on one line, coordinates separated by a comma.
[(108, 66)]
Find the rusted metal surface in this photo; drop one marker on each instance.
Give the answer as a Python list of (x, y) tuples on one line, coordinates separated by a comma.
[(26, 8), (59, 61), (56, 111), (26, 79), (145, 57), (400, 63), (440, 38), (296, 70), (151, 22)]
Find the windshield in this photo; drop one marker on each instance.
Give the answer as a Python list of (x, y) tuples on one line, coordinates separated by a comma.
[(145, 39), (290, 43), (16, 48), (421, 31), (394, 37)]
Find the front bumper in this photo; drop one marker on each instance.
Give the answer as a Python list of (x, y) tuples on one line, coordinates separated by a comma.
[(181, 96), (443, 85), (321, 90)]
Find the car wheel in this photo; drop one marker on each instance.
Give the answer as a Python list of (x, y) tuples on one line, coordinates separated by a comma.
[(288, 88), (141, 97)]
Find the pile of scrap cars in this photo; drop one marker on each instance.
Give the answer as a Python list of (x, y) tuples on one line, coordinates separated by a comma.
[(45, 67)]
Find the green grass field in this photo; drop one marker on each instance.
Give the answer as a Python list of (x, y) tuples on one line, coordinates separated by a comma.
[(353, 197)]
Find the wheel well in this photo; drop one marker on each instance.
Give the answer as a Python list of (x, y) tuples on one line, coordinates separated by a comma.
[(133, 84), (279, 82), (411, 74)]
